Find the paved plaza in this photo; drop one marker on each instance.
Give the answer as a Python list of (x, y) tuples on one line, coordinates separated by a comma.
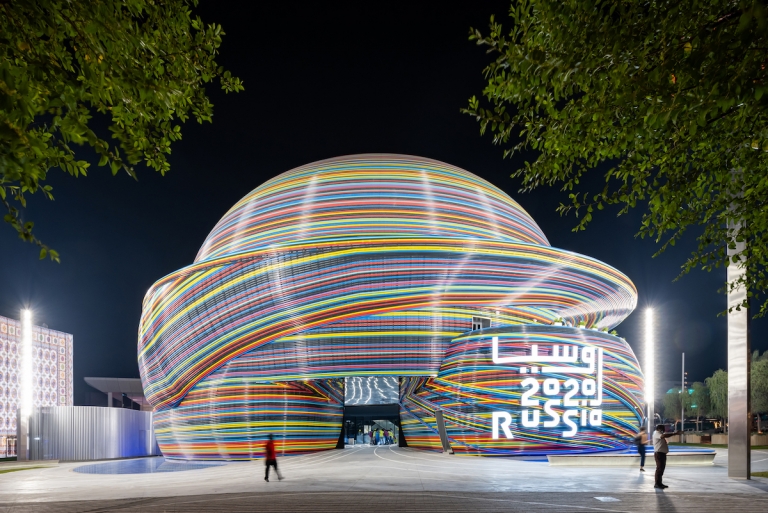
[(356, 479)]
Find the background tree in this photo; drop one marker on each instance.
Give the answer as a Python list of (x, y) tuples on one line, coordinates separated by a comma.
[(759, 385), (701, 403), (674, 402), (141, 65), (671, 406), (718, 394), (670, 97)]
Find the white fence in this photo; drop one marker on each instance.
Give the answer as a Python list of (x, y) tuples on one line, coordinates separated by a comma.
[(80, 433)]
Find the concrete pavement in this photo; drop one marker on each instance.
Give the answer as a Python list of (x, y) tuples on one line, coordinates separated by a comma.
[(406, 479)]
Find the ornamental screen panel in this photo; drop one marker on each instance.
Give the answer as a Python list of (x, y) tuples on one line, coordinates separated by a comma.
[(52, 372)]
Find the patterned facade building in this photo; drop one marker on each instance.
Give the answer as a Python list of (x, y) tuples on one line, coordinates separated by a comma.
[(52, 373), (388, 265)]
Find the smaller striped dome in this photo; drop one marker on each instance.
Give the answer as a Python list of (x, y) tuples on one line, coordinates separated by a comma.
[(367, 197)]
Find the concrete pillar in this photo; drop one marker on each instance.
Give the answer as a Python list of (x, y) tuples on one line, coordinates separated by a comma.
[(109, 399), (739, 410), (440, 421)]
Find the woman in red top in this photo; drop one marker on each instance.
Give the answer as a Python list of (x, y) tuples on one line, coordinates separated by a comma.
[(271, 456)]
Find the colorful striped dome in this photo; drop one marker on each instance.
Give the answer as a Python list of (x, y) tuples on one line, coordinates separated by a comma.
[(367, 197), (364, 265)]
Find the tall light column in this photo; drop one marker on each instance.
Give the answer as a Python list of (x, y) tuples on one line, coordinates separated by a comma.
[(739, 349), (649, 370), (26, 395)]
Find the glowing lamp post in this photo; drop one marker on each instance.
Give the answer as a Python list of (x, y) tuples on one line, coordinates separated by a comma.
[(26, 395), (650, 377)]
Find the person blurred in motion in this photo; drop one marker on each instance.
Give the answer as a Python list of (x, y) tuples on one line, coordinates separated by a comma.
[(640, 440), (271, 459)]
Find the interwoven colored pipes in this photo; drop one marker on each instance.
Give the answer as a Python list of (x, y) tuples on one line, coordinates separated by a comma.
[(362, 265), (550, 365), (230, 418)]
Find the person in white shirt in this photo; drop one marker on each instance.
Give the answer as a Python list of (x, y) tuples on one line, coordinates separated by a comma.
[(660, 450)]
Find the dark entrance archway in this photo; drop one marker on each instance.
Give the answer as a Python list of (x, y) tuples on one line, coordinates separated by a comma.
[(361, 423)]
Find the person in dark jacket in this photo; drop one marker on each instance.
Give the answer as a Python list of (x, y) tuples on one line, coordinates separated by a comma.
[(271, 459)]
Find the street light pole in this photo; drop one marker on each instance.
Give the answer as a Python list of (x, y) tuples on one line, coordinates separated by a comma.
[(26, 396), (683, 391), (649, 369)]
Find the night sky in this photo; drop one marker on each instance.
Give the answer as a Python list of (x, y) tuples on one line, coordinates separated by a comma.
[(322, 80)]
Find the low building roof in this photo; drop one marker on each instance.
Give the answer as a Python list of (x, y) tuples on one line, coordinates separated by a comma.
[(131, 387)]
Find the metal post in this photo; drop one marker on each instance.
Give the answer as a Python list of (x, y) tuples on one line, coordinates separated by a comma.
[(739, 411), (650, 378), (683, 391)]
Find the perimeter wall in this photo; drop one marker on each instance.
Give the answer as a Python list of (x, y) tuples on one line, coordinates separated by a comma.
[(82, 433)]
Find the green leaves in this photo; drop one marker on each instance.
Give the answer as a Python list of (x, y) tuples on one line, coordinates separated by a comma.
[(718, 393), (673, 403), (670, 96), (759, 382), (140, 64)]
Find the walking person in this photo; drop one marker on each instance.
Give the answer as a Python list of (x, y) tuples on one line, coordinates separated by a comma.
[(640, 441), (660, 450), (271, 459)]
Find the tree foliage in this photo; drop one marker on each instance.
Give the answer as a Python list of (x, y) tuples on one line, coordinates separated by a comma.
[(718, 393), (670, 97), (700, 398), (142, 65), (759, 382), (711, 397), (674, 402)]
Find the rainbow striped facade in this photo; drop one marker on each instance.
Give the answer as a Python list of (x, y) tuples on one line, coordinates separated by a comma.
[(470, 387), (375, 265)]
